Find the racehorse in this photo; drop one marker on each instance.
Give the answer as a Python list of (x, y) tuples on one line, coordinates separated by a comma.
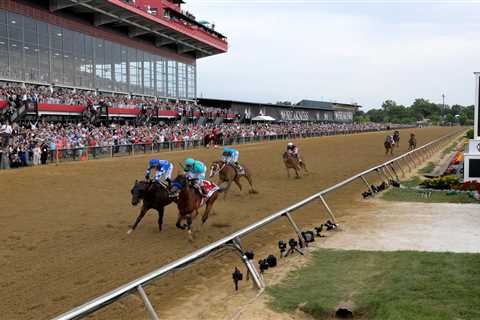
[(154, 196), (227, 173), (412, 142), (396, 138), (389, 144), (189, 201), (209, 140), (294, 163)]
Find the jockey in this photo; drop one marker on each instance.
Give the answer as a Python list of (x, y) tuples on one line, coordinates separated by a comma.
[(163, 168), (293, 151), (391, 140), (195, 171), (230, 156)]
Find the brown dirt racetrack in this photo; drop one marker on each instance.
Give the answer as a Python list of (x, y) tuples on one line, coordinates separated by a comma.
[(64, 227)]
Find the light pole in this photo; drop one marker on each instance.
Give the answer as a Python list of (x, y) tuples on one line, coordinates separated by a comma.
[(443, 101)]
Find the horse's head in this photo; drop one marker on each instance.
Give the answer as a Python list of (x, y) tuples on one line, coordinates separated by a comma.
[(216, 167), (138, 191)]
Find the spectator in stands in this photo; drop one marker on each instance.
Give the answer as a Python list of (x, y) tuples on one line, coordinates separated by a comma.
[(37, 152), (44, 155)]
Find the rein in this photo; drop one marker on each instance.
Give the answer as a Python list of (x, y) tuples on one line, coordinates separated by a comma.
[(220, 168)]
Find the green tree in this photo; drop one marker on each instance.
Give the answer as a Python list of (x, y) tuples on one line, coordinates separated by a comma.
[(424, 109)]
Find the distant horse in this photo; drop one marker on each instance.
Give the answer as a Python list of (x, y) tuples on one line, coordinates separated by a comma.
[(227, 173), (412, 142), (209, 140), (189, 201), (389, 144), (154, 196), (294, 163), (396, 138)]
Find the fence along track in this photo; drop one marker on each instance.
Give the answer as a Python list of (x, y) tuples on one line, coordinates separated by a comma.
[(384, 171)]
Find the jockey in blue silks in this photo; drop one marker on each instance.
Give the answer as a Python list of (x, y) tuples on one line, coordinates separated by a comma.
[(230, 156), (195, 171), (163, 168)]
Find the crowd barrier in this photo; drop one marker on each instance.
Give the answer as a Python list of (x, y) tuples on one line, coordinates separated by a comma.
[(386, 171), (122, 150)]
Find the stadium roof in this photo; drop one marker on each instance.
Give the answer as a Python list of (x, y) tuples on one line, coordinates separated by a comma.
[(304, 104), (323, 105), (133, 21)]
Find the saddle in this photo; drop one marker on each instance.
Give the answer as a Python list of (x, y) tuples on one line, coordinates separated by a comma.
[(208, 189)]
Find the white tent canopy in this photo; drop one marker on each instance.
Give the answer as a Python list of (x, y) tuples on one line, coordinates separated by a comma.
[(263, 118)]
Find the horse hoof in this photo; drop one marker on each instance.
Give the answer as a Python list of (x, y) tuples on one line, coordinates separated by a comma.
[(129, 231)]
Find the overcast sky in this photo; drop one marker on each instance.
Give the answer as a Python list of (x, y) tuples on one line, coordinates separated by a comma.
[(346, 51)]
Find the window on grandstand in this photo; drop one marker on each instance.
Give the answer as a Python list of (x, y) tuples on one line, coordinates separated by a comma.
[(107, 67), (134, 71), (171, 78), (4, 72), (161, 76), (68, 59), (31, 50), (182, 80), (149, 74), (120, 68), (191, 82)]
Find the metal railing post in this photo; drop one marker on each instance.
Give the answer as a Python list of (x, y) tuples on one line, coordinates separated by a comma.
[(387, 171), (391, 168), (387, 174), (408, 163), (257, 277), (295, 227), (412, 159), (368, 185), (382, 178), (400, 167), (330, 213), (151, 312)]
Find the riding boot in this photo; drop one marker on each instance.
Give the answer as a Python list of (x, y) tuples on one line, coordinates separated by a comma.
[(238, 167)]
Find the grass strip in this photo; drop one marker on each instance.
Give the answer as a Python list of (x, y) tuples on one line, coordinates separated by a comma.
[(384, 285)]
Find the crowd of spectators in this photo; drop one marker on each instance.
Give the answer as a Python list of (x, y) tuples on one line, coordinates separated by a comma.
[(31, 143), (18, 95)]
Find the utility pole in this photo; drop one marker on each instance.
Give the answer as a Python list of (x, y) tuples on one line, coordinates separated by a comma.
[(443, 99)]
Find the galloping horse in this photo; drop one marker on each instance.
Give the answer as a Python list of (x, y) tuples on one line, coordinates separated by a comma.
[(154, 195), (396, 138), (412, 142), (189, 201), (294, 163), (389, 144), (227, 173)]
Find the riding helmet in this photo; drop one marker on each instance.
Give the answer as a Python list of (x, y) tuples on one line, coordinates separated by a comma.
[(189, 162), (152, 163)]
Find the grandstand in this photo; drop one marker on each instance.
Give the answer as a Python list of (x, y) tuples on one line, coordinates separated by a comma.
[(145, 49), (305, 110)]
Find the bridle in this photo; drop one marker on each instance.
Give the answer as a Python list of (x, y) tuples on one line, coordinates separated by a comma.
[(214, 172)]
